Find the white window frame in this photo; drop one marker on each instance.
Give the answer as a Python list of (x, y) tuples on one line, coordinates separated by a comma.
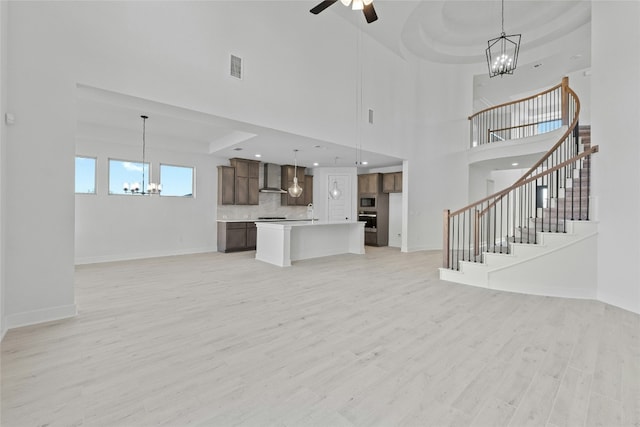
[(95, 175), (193, 180)]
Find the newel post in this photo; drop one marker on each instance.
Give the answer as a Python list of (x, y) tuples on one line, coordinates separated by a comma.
[(565, 101), (445, 238)]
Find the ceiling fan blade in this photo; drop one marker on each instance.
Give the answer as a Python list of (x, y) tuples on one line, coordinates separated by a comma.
[(369, 13), (322, 6)]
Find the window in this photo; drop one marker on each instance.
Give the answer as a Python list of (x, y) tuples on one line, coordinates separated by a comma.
[(548, 126), (85, 175), (122, 171), (176, 181)]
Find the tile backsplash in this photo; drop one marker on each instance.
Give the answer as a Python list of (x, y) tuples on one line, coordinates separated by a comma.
[(269, 206)]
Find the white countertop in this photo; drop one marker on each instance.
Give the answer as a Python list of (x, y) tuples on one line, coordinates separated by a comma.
[(266, 220), (308, 223)]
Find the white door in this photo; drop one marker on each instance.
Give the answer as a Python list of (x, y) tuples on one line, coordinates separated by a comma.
[(340, 208)]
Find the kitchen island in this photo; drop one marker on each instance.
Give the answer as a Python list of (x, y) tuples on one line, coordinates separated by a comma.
[(279, 243)]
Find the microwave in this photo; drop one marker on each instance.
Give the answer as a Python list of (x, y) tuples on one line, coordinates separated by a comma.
[(368, 202)]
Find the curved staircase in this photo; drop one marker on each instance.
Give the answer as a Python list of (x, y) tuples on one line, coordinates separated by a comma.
[(534, 236)]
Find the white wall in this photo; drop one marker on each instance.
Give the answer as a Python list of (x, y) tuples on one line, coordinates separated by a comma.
[(117, 227), (40, 157), (615, 127), (3, 139), (580, 82), (437, 170)]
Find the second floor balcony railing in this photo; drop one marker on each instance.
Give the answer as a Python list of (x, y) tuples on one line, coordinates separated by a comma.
[(537, 114)]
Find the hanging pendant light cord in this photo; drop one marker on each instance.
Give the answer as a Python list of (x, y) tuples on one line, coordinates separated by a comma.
[(503, 17), (144, 131)]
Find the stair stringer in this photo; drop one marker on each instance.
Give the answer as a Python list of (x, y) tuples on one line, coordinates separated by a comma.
[(562, 265)]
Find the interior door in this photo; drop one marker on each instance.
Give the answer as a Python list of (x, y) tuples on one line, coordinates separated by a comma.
[(340, 209)]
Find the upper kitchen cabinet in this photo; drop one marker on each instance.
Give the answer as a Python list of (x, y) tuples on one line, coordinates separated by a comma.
[(287, 174), (247, 186), (238, 183), (369, 183), (226, 185), (392, 182)]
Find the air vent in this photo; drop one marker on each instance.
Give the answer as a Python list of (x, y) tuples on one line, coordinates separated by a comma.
[(236, 67)]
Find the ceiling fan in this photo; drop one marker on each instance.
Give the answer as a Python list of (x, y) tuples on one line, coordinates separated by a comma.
[(366, 6)]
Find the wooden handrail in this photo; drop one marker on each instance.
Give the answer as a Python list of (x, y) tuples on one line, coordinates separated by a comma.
[(506, 104), (566, 146), (548, 154), (517, 184), (570, 129), (574, 159)]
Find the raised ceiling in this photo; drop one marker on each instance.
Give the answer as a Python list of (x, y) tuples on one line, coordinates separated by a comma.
[(450, 32)]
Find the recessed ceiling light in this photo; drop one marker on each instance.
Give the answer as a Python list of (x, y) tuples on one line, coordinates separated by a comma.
[(315, 163), (237, 149), (514, 164), (365, 163), (258, 155)]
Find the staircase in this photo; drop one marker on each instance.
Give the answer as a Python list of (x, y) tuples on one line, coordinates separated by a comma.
[(535, 236)]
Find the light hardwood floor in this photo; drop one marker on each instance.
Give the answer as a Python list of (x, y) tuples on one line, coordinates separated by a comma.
[(373, 340)]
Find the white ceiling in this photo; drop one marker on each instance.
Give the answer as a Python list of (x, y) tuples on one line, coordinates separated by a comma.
[(451, 31)]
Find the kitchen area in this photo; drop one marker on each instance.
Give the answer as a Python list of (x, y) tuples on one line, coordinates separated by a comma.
[(256, 210)]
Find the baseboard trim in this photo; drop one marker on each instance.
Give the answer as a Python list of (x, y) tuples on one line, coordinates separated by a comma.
[(131, 257), (40, 316)]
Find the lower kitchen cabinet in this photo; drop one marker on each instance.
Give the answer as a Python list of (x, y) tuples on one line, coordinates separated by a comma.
[(236, 236), (371, 238)]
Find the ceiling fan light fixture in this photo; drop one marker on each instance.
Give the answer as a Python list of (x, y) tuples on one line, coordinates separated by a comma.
[(357, 5), (346, 2), (367, 2)]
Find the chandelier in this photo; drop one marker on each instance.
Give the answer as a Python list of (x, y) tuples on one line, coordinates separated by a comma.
[(502, 53), (135, 188)]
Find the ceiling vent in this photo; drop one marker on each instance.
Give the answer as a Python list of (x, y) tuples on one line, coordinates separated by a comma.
[(236, 67)]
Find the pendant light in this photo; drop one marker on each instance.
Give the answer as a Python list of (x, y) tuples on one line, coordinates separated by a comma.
[(135, 188), (335, 192), (295, 190), (502, 53)]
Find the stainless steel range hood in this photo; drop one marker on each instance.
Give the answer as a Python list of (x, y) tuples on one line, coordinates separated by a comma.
[(271, 182)]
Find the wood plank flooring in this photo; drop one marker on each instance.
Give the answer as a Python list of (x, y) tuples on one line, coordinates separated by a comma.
[(374, 340)]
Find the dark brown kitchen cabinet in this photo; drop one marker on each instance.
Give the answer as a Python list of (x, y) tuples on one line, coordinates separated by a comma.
[(226, 185), (392, 182), (308, 189), (369, 183), (236, 236), (252, 235), (246, 181), (287, 174), (371, 238)]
